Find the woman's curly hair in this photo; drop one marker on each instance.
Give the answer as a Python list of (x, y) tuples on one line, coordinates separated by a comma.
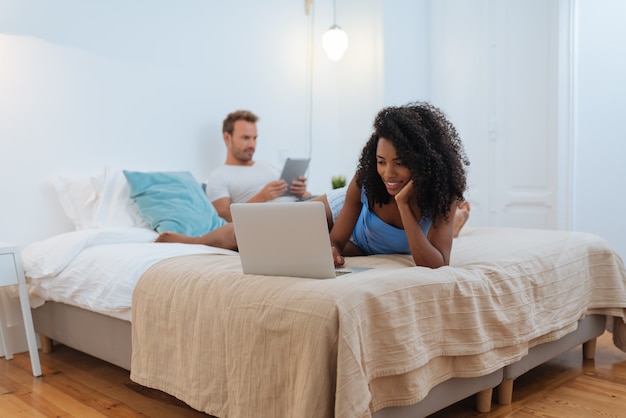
[(428, 144)]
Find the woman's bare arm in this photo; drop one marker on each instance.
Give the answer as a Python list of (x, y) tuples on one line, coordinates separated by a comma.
[(346, 220), (429, 251)]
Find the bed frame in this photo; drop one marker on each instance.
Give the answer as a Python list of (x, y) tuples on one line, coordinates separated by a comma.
[(109, 339), (98, 335)]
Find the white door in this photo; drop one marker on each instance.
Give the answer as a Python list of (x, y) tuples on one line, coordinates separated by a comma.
[(493, 69)]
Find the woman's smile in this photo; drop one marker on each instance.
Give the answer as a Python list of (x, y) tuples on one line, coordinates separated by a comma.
[(394, 187), (391, 169)]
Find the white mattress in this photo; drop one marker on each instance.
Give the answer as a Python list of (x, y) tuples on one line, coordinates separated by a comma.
[(97, 269)]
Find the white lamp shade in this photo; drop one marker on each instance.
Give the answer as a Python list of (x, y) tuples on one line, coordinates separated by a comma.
[(335, 42)]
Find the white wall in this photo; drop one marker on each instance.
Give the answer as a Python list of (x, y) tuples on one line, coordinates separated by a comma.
[(600, 188), (146, 85), (406, 51)]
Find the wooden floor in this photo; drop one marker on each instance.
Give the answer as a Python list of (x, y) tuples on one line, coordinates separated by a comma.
[(76, 385)]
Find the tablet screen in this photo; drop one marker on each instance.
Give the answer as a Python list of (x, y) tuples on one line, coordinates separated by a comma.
[(294, 167)]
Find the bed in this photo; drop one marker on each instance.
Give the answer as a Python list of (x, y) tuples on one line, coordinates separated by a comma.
[(393, 341)]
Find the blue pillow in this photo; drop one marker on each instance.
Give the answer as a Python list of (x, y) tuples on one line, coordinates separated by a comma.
[(173, 201)]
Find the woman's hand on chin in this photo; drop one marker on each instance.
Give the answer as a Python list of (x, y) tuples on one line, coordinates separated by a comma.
[(406, 194)]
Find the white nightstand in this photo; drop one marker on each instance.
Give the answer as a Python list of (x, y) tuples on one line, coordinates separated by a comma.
[(11, 272)]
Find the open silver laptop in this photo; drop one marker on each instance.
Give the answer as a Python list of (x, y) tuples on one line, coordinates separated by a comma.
[(285, 239)]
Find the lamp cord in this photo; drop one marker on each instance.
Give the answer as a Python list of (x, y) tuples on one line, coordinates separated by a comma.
[(310, 77)]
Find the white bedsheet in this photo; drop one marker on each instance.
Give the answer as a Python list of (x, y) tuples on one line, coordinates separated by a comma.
[(97, 269)]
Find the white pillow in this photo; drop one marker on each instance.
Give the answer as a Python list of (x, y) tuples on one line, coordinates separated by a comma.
[(77, 197), (100, 201), (114, 208)]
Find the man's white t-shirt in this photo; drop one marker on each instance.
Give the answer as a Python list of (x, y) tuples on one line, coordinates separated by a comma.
[(240, 183)]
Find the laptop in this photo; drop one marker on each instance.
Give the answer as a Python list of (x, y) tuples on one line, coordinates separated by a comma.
[(285, 239)]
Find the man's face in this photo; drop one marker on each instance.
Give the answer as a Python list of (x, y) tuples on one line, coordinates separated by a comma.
[(242, 143)]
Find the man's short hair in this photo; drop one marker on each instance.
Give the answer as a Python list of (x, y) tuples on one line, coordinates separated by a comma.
[(229, 122)]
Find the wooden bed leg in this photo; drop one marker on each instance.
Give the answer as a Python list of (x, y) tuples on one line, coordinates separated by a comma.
[(505, 392), (483, 400), (46, 344), (589, 349)]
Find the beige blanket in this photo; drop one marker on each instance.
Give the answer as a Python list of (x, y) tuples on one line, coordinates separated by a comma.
[(237, 345)]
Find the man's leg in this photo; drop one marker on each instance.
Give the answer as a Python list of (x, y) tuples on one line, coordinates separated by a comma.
[(222, 237), (333, 202)]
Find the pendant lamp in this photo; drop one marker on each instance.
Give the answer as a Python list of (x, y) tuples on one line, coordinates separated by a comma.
[(335, 40)]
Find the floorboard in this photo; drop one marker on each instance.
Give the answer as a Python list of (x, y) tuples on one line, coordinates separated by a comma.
[(77, 385)]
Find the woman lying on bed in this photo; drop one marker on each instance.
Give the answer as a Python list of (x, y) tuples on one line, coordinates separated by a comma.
[(406, 191), (414, 162)]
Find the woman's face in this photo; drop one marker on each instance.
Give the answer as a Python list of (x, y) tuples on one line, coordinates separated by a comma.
[(390, 167)]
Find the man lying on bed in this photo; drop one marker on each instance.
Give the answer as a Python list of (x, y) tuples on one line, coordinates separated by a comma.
[(431, 152), (242, 179)]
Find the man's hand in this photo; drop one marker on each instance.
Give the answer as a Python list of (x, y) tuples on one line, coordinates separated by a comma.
[(272, 190), (298, 187)]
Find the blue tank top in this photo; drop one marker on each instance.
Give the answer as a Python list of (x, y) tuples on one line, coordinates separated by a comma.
[(374, 236)]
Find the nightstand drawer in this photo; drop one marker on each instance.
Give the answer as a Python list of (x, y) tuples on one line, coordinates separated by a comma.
[(8, 275)]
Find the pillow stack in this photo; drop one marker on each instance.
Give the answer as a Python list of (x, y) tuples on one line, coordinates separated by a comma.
[(163, 201)]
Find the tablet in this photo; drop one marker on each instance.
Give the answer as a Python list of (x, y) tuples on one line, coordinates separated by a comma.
[(294, 167)]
